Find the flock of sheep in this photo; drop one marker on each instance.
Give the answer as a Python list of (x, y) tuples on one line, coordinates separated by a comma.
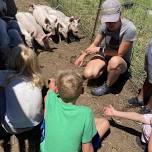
[(42, 22)]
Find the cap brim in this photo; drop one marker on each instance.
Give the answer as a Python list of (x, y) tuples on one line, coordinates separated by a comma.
[(110, 18)]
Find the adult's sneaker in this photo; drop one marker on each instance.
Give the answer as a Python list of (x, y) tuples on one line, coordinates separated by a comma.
[(145, 110), (102, 90), (136, 102)]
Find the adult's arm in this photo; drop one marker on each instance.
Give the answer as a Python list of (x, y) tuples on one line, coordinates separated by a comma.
[(87, 147), (93, 48), (123, 49)]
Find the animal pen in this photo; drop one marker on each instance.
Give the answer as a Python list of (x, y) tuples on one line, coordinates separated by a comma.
[(138, 11), (89, 13)]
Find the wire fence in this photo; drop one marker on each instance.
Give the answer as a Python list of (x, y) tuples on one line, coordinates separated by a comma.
[(138, 11)]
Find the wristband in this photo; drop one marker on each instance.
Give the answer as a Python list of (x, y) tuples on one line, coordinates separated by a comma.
[(101, 51)]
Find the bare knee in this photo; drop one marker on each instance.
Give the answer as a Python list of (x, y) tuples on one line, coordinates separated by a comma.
[(94, 69), (90, 73), (118, 64), (87, 73), (102, 125), (102, 121)]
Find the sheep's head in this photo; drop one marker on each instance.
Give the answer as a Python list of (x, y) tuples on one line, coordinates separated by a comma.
[(50, 26), (74, 24)]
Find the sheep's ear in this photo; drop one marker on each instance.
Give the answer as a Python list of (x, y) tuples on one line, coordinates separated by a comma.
[(31, 8), (56, 20), (71, 19), (59, 26), (32, 34), (31, 5), (47, 21), (78, 19)]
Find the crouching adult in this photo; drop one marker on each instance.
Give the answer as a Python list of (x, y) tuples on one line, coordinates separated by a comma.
[(116, 35)]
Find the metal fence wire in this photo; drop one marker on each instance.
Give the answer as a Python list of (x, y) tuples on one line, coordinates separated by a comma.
[(138, 11)]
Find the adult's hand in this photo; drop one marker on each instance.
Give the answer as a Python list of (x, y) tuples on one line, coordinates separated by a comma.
[(80, 59), (92, 49)]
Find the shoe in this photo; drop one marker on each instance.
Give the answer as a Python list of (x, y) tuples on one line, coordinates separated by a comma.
[(135, 102), (102, 90), (145, 110), (141, 144)]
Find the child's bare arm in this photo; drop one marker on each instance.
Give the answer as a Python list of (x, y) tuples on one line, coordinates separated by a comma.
[(110, 111), (52, 85), (87, 147), (150, 143)]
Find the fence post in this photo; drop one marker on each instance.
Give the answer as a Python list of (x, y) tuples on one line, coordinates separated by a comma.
[(96, 20), (57, 3)]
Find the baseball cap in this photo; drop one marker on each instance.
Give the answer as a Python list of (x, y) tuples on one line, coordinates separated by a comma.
[(110, 11)]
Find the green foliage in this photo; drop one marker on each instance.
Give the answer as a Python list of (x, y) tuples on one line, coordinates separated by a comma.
[(143, 21)]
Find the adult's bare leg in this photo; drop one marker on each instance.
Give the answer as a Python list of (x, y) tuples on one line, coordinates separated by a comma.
[(116, 66), (94, 69)]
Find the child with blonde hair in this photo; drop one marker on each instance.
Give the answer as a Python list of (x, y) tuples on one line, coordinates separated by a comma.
[(70, 127), (22, 84)]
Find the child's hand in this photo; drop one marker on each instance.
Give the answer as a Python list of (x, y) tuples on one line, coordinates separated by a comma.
[(151, 122), (52, 85), (109, 111)]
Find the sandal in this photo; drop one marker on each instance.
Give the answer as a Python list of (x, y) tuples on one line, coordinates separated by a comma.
[(136, 102), (145, 110)]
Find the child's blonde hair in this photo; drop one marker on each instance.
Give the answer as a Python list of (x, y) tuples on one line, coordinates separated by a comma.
[(70, 85), (23, 61)]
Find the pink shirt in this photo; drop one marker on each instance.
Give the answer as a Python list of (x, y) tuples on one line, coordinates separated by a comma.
[(146, 129)]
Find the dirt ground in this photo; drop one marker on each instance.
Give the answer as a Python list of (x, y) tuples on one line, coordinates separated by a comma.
[(123, 133)]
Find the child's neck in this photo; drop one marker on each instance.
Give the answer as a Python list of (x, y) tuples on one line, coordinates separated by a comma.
[(73, 102)]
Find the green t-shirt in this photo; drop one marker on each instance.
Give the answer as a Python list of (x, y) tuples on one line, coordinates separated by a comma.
[(67, 126)]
